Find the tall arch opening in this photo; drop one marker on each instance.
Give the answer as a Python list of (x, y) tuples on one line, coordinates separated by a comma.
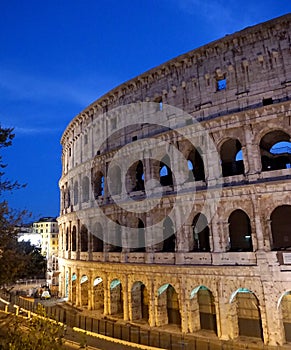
[(74, 289), (116, 244), (168, 304), (231, 158), (240, 235), (275, 149), (281, 227), (166, 177), (115, 186), (76, 193), (98, 184), (98, 292), (135, 177), (97, 238), (84, 290), (248, 313), (84, 238), (116, 298), (74, 239), (139, 302), (195, 166), (169, 243), (286, 315), (200, 231)]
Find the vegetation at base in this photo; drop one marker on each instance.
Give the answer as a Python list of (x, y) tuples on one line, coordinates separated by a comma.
[(17, 259), (37, 333)]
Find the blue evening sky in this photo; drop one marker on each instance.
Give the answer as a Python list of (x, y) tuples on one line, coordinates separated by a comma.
[(59, 56)]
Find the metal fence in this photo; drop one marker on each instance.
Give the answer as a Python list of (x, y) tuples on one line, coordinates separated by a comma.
[(133, 333)]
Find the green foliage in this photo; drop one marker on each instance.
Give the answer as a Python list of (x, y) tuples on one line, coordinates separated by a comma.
[(38, 333)]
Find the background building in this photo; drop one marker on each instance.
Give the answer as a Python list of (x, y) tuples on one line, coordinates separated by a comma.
[(227, 274), (47, 227)]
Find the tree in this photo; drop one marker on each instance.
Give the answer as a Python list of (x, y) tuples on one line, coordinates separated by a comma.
[(11, 262)]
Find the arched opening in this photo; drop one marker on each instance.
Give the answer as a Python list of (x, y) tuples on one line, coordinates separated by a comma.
[(286, 315), (166, 177), (74, 288), (84, 238), (281, 227), (67, 239), (168, 304), (200, 232), (141, 237), (231, 158), (97, 238), (85, 189), (135, 177), (116, 298), (98, 292), (169, 243), (74, 239), (248, 313), (84, 290), (139, 302), (275, 149), (76, 193), (240, 234), (202, 300), (116, 243), (115, 187), (98, 185), (195, 166)]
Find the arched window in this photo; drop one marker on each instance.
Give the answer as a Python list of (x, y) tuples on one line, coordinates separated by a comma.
[(116, 243), (275, 150), (74, 239), (84, 239), (200, 231), (97, 238), (141, 236), (281, 227), (139, 301), (207, 312), (67, 239), (168, 303), (231, 158), (85, 189), (195, 166), (98, 185), (135, 177), (169, 236), (166, 178), (285, 304), (240, 235), (76, 193)]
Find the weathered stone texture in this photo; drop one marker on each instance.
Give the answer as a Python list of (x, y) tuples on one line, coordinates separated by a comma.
[(232, 278)]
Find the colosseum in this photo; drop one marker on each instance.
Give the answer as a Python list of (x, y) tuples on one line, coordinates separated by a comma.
[(175, 194)]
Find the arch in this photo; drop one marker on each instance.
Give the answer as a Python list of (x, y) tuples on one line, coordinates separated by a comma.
[(168, 305), (116, 243), (275, 148), (74, 239), (195, 166), (116, 298), (202, 300), (84, 238), (248, 313), (97, 238), (98, 184), (281, 227), (98, 294), (76, 193), (166, 177), (139, 301), (115, 187), (230, 163), (135, 177), (85, 189), (141, 237), (84, 290), (74, 288), (200, 231), (169, 237), (240, 235)]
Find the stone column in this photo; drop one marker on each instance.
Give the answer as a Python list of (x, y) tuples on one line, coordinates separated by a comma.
[(106, 287), (90, 291), (125, 299), (78, 288), (152, 321), (70, 298)]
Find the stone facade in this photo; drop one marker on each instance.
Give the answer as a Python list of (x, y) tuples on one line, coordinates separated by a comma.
[(228, 274)]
